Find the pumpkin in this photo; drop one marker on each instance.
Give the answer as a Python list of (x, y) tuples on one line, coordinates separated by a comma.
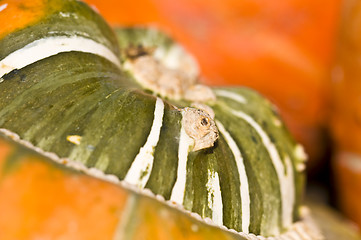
[(57, 198), (346, 112), (282, 49), (131, 107)]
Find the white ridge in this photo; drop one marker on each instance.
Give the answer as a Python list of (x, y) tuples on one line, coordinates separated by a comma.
[(178, 190), (215, 197), (231, 95), (46, 47), (139, 172)]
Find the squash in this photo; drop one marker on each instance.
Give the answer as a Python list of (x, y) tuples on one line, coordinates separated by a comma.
[(132, 108), (282, 49)]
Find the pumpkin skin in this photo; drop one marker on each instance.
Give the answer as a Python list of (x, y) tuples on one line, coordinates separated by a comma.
[(251, 180), (284, 50)]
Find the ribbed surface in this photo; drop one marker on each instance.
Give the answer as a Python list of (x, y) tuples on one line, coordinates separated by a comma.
[(247, 182)]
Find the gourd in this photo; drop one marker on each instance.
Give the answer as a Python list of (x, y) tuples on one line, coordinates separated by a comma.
[(286, 60), (132, 108)]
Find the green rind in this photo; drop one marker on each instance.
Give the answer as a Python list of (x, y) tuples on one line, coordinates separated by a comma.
[(230, 182), (164, 171), (149, 38), (265, 114)]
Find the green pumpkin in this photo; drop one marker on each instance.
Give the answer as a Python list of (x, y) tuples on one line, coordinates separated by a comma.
[(129, 105)]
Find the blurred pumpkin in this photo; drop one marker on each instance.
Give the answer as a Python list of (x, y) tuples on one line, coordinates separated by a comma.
[(46, 197), (345, 121), (282, 49), (131, 107)]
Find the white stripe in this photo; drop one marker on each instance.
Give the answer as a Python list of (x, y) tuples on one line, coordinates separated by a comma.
[(140, 170), (244, 188), (228, 94), (289, 192), (184, 147), (50, 46), (285, 178), (215, 197), (2, 7)]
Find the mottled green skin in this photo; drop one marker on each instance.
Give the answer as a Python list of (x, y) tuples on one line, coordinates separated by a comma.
[(82, 94), (256, 157), (149, 38)]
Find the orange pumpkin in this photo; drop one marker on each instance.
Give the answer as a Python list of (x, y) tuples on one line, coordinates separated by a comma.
[(346, 112), (282, 49)]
